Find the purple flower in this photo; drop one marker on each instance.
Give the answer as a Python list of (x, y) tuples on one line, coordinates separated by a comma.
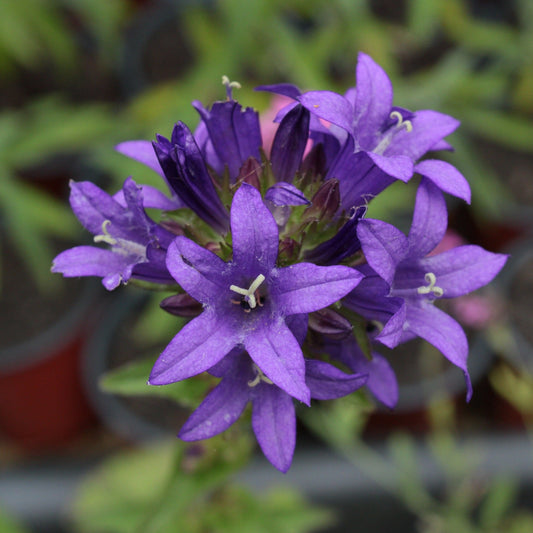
[(246, 301), (419, 280), (273, 413), (137, 244), (392, 137), (187, 174)]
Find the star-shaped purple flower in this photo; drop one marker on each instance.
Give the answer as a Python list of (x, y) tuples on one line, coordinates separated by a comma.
[(137, 245), (246, 301), (419, 280), (273, 412)]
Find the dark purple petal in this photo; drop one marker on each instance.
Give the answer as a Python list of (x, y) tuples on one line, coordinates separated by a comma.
[(327, 382), (329, 106), (464, 269), (92, 261), (142, 151), (342, 245), (284, 193), (219, 410), (199, 345), (446, 177), (234, 132), (254, 233), (187, 174), (359, 177), (285, 89), (443, 332), (373, 99), (199, 272), (289, 144), (274, 425), (305, 287), (430, 220), (181, 305), (392, 333), (277, 353), (384, 246)]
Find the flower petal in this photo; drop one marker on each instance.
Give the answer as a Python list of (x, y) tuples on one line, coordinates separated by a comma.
[(443, 332), (254, 232), (305, 287), (283, 193), (200, 272), (429, 128), (327, 382), (430, 219), (153, 198), (93, 261), (446, 177), (329, 106), (198, 346), (397, 166), (373, 99), (142, 151), (219, 410), (274, 425), (464, 269), (384, 246), (277, 353)]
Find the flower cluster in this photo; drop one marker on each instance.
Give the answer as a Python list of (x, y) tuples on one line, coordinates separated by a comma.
[(273, 257)]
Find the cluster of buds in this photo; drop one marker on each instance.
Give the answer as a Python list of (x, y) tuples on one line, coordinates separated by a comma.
[(289, 288)]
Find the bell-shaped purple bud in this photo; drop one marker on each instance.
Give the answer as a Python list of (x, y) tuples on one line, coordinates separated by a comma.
[(250, 173), (289, 144)]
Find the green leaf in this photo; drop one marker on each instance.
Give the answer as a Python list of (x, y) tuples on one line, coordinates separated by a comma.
[(506, 129), (9, 525), (130, 380), (499, 500)]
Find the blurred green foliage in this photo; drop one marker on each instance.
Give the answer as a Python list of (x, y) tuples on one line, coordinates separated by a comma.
[(440, 54)]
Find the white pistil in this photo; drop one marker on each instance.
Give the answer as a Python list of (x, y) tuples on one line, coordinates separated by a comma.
[(106, 236), (407, 124), (431, 288), (259, 376), (249, 293)]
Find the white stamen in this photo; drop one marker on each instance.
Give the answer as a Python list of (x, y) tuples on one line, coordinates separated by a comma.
[(431, 288), (230, 85), (105, 237), (401, 122), (249, 292), (259, 376)]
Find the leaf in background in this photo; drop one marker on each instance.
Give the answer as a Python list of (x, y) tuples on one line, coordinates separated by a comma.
[(130, 379), (52, 127), (505, 129), (422, 19), (8, 525)]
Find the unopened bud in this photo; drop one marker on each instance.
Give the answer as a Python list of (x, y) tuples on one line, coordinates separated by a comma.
[(330, 323), (181, 305), (250, 173), (325, 203)]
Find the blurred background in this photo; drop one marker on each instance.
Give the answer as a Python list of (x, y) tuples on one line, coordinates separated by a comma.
[(79, 76)]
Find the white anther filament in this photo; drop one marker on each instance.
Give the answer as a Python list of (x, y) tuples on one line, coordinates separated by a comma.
[(431, 288), (259, 376), (106, 236), (407, 124), (249, 293)]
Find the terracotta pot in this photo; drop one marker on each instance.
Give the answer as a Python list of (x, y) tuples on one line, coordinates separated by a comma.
[(42, 402)]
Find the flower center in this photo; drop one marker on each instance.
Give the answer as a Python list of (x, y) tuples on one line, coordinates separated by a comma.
[(119, 245), (259, 376), (387, 138), (249, 296), (431, 279)]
